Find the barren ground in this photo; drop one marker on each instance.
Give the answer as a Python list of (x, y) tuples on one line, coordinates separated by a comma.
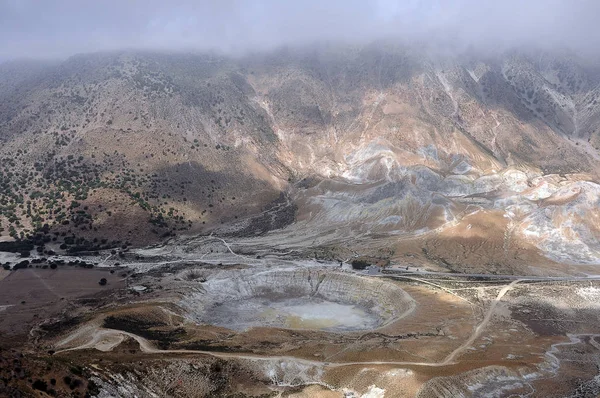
[(463, 334)]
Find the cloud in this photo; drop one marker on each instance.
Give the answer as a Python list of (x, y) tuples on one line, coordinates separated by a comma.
[(32, 28)]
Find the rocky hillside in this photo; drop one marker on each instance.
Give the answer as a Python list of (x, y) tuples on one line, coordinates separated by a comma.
[(485, 160)]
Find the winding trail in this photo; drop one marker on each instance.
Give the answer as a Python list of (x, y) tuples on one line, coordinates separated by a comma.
[(106, 339)]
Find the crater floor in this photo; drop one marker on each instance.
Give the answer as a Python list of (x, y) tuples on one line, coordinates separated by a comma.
[(294, 313)]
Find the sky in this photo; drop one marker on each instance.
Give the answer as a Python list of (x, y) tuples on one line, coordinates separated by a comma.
[(59, 28)]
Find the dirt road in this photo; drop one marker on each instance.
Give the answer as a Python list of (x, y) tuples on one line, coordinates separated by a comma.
[(106, 339)]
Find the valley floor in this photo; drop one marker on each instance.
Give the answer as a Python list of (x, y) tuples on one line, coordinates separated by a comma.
[(460, 334)]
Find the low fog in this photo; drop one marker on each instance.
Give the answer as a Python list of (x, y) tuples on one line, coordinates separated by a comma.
[(58, 28)]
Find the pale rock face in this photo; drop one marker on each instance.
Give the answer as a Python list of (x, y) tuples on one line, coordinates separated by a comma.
[(487, 183), (540, 190), (517, 208), (373, 162), (374, 392), (456, 185), (515, 180), (462, 168), (568, 227), (491, 381), (376, 194)]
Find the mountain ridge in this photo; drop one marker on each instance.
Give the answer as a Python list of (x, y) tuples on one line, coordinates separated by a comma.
[(137, 146)]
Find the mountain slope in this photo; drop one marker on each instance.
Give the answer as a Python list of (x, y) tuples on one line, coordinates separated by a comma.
[(354, 143)]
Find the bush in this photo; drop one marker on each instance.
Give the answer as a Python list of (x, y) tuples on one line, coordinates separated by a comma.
[(93, 388), (194, 275), (21, 265), (359, 264), (40, 385), (74, 384), (76, 370), (16, 247), (102, 282)]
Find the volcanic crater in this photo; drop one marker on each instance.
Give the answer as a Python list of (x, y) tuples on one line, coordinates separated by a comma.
[(298, 299)]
